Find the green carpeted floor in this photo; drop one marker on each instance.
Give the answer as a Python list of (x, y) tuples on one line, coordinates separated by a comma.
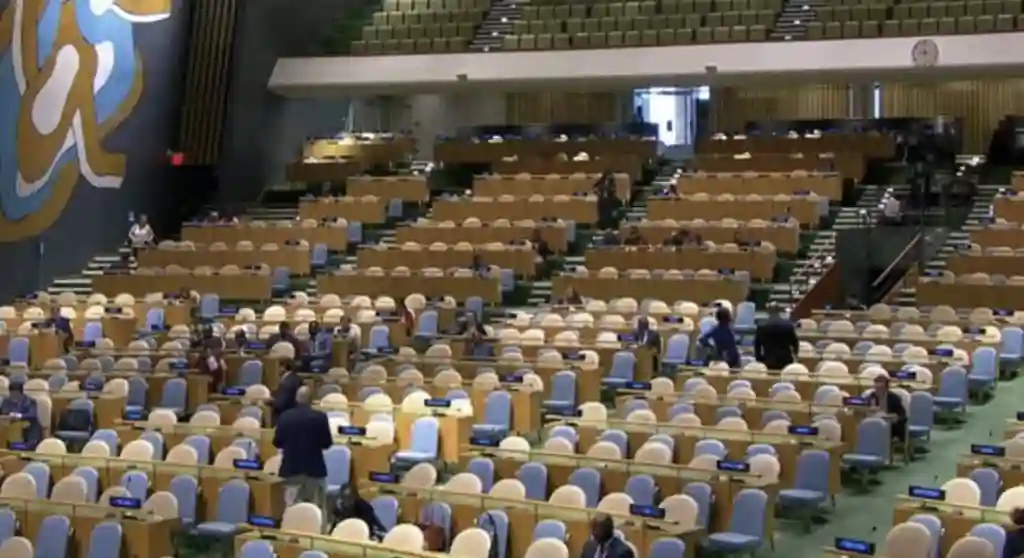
[(869, 516)]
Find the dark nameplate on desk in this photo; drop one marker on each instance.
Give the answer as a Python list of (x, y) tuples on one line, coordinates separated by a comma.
[(352, 430), (255, 345), (179, 364), (672, 319), (988, 450), (627, 338), (233, 391), (855, 545), (733, 466), (803, 430), (943, 352), (385, 478), (262, 521), (513, 379), (126, 503), (905, 375), (437, 403), (20, 446), (856, 401), (483, 441), (639, 386), (247, 464), (651, 512), (696, 362), (926, 492), (133, 414), (1003, 312)]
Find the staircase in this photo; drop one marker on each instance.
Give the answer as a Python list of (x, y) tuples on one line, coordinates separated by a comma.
[(980, 213), (792, 21), (490, 35), (822, 249)]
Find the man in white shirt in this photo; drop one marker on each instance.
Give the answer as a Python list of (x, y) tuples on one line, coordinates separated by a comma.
[(140, 235), (891, 210)]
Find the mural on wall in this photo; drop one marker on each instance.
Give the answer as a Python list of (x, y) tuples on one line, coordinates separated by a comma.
[(69, 75)]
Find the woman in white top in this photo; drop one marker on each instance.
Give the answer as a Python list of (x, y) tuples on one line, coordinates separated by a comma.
[(140, 235)]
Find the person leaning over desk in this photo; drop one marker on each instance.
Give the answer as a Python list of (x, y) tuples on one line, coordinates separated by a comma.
[(891, 405)]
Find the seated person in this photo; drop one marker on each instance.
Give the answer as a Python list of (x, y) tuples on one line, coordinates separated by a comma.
[(540, 245), (352, 505), (350, 333), (611, 238), (891, 405), (475, 335), (634, 238), (677, 238), (320, 345), (571, 298), (19, 406), (478, 266), (284, 333), (62, 327)]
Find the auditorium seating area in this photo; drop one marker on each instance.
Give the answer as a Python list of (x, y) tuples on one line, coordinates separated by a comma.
[(913, 19), (564, 26), (558, 412), (406, 27)]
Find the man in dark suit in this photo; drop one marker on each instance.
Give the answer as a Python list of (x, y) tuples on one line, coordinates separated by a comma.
[(287, 392), (644, 336), (891, 405), (776, 344), (302, 435), (603, 543)]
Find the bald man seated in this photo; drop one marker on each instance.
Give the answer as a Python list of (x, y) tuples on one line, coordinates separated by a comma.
[(603, 543), (302, 435)]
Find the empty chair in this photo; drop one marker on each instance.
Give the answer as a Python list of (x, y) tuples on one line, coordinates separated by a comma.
[(589, 481), (257, 549), (994, 534), (642, 489), (549, 529), (174, 396), (534, 477), (53, 536), (810, 488), (386, 509), (339, 466), (563, 393), (873, 445), (8, 525), (497, 416), (137, 484), (989, 483), (483, 469), (105, 540), (667, 548), (424, 447), (746, 524), (232, 509)]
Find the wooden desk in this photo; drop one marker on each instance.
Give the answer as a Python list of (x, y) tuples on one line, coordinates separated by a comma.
[(461, 288), (701, 291), (295, 259), (523, 516), (244, 286), (525, 185), (957, 521), (582, 210), (519, 259), (42, 346), (405, 188), (784, 236), (109, 409), (803, 209), (145, 535), (336, 238), (760, 263), (828, 185), (671, 479), (370, 211), (430, 232), (968, 295)]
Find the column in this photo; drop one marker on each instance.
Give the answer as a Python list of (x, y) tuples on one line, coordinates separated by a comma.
[(862, 100)]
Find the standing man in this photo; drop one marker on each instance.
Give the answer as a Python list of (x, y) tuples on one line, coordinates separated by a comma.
[(287, 394), (644, 336), (302, 435), (603, 543), (776, 344)]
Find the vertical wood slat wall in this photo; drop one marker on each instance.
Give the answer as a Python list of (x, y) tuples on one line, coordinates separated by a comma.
[(560, 107), (207, 77), (980, 103), (732, 107)]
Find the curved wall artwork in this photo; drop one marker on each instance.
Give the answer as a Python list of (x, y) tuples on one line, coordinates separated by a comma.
[(70, 74)]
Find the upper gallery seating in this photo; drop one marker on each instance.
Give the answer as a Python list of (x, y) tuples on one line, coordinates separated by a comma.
[(422, 26), (557, 25), (852, 20)]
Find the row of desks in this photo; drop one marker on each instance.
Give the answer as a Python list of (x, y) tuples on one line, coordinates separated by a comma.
[(496, 185), (244, 286), (828, 185), (336, 238), (969, 295), (369, 211), (296, 260), (522, 260), (806, 210), (760, 264)]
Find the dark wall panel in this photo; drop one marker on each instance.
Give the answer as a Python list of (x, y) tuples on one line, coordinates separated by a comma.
[(72, 170), (264, 130)]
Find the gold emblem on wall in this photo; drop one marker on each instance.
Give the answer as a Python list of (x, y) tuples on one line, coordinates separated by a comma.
[(69, 75)]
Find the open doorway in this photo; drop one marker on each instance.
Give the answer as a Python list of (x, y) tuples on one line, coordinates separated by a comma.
[(675, 111)]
